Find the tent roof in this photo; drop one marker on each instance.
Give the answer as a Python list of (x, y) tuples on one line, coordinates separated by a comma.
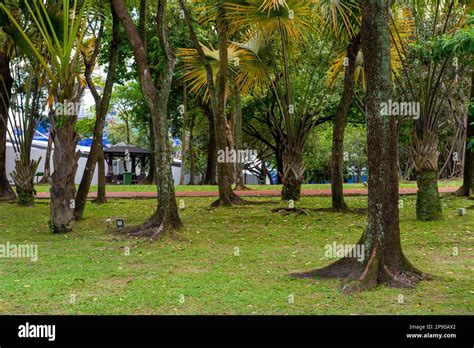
[(121, 147)]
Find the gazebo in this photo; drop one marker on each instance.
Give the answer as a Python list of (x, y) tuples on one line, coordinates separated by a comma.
[(127, 153)]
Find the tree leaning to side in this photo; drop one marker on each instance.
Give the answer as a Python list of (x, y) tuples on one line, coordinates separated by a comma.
[(384, 261), (101, 108)]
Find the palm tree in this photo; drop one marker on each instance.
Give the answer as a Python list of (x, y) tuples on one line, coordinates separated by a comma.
[(425, 80), (282, 26), (61, 25), (25, 113), (216, 80), (246, 74)]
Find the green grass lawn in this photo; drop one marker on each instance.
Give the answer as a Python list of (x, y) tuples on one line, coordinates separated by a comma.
[(200, 273), (208, 188)]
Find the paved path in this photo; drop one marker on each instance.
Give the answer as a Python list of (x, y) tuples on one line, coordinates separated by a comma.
[(249, 193)]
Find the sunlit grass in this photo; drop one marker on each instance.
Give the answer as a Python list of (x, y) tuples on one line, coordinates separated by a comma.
[(201, 274)]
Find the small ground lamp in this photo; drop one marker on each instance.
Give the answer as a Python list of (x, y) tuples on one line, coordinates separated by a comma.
[(120, 223)]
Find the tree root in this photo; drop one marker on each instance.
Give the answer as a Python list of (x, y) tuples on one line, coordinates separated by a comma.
[(358, 276), (152, 229), (463, 191), (360, 211), (287, 211), (229, 201), (243, 188)]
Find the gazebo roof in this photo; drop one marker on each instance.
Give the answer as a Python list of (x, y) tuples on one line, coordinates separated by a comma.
[(120, 148)]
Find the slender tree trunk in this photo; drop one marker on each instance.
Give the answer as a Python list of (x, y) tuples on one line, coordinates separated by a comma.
[(184, 138), (184, 144), (382, 259), (238, 142), (210, 177), (191, 152), (279, 163), (166, 217), (101, 188), (225, 170), (47, 162), (6, 191), (101, 107), (467, 188), (337, 158)]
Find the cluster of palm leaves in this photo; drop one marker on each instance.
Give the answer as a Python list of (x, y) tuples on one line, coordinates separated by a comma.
[(26, 106)]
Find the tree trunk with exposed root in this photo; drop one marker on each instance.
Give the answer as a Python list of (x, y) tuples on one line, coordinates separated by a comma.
[(166, 217), (382, 260)]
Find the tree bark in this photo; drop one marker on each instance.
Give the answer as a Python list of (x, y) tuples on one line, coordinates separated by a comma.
[(337, 157), (63, 186), (166, 217), (101, 188), (217, 91), (467, 188), (428, 204), (6, 191), (238, 142), (425, 157), (192, 166), (101, 108), (225, 170), (184, 138), (293, 175), (210, 177), (383, 259)]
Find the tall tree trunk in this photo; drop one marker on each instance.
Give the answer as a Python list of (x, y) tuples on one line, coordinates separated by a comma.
[(166, 217), (192, 166), (184, 138), (184, 144), (337, 158), (6, 191), (47, 162), (238, 142), (225, 169), (467, 188), (382, 258), (210, 177), (101, 188), (217, 91), (101, 108)]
